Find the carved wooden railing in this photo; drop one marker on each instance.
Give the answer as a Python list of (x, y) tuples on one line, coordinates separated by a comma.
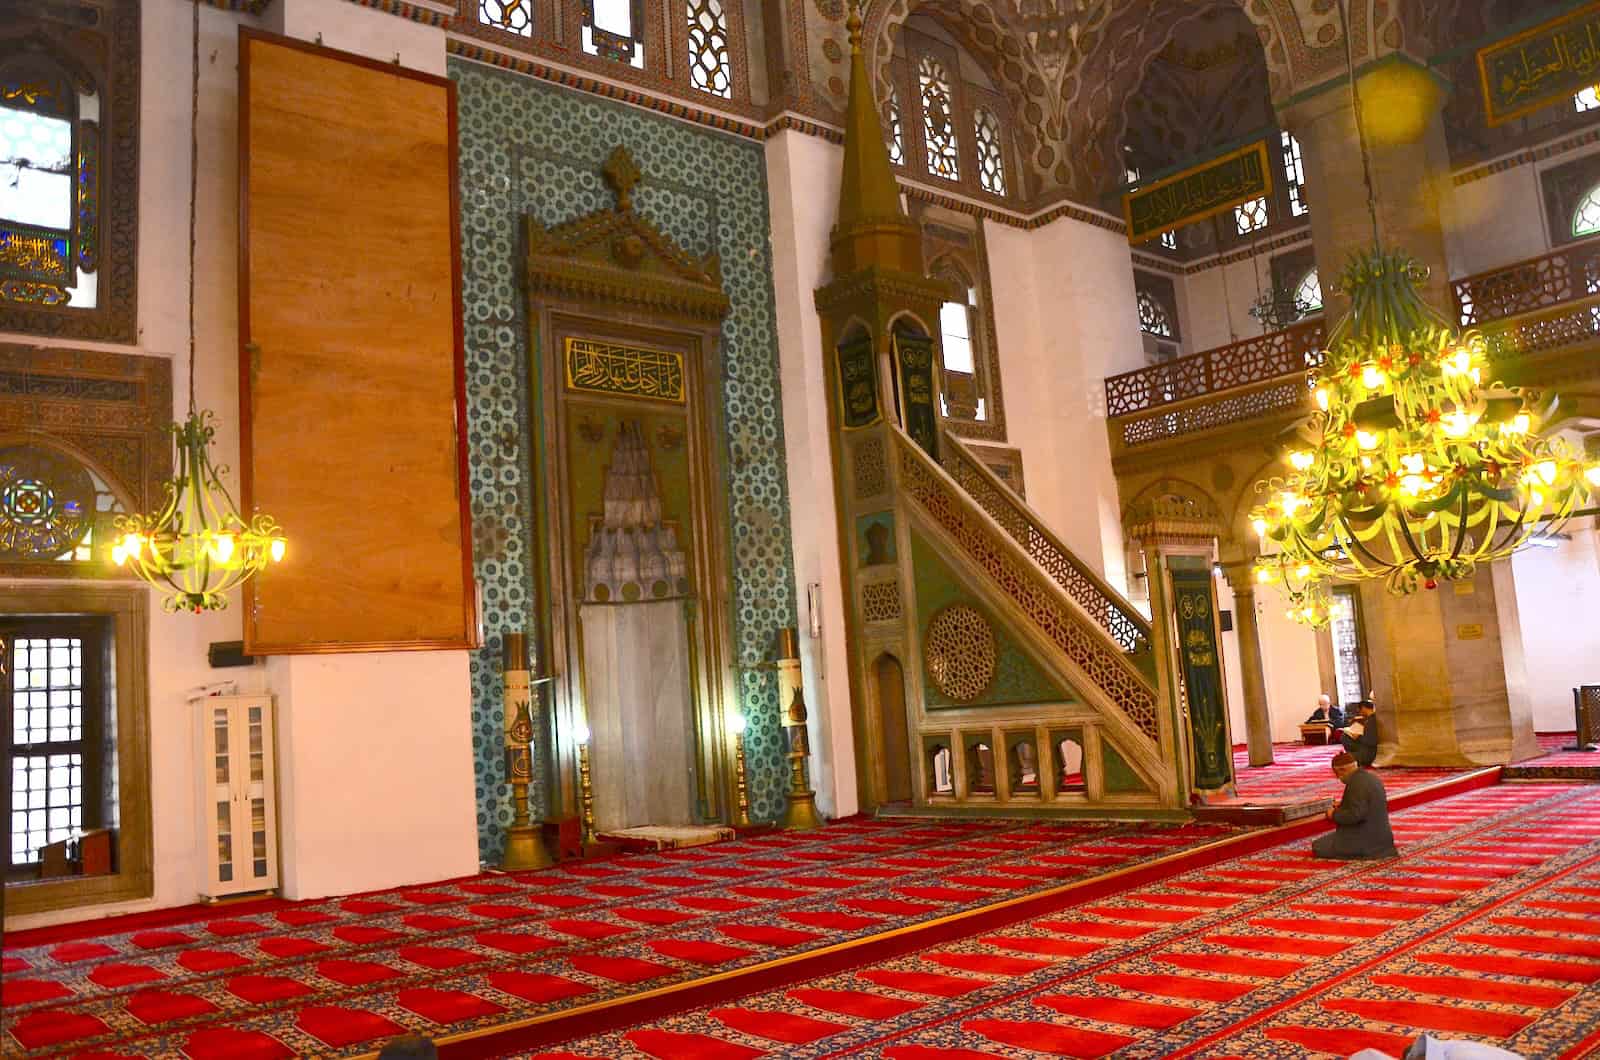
[(1257, 360), (1563, 275), (1098, 600), (1010, 570)]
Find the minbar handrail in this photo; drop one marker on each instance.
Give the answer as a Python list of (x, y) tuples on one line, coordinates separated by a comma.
[(1087, 589), (1254, 360), (1564, 274)]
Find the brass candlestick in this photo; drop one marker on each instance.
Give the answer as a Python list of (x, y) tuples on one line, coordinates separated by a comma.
[(742, 817), (524, 849), (585, 785), (801, 813)]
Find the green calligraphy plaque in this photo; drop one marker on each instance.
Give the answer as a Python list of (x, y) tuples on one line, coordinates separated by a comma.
[(625, 371), (1202, 678), (858, 390), (1546, 64), (1198, 192), (913, 355)]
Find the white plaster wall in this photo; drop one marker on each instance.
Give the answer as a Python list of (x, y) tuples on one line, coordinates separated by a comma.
[(1555, 588), (1217, 303), (359, 707), (1086, 328), (803, 174), (1289, 657), (1232, 676), (1494, 221)]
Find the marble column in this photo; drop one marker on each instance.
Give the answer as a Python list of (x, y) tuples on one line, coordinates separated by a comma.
[(1257, 719), (1410, 169)]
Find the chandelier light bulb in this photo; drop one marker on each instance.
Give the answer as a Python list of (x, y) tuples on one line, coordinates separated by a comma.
[(277, 548), (1545, 471), (1300, 460), (1371, 377), (1521, 423), (1368, 439), (1322, 398), (1459, 424), (1260, 526)]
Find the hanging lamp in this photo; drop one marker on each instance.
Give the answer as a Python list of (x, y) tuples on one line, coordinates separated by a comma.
[(196, 547), (1416, 470)]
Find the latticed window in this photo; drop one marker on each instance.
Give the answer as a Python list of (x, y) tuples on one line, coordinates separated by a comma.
[(939, 130), (1169, 239), (1309, 292), (52, 508), (1588, 99), (1153, 317), (710, 69), (55, 706), (513, 16), (1249, 216), (49, 186), (897, 134), (1586, 218), (991, 159), (1294, 175), (614, 29)]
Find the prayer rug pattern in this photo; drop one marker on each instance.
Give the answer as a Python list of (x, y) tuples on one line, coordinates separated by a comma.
[(1485, 926), (1300, 772), (335, 977)]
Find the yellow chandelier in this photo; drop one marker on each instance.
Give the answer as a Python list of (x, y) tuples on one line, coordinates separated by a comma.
[(197, 547), (1417, 470)]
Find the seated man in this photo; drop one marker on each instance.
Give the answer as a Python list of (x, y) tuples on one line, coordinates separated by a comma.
[(1326, 713), (1360, 736), (1361, 818)]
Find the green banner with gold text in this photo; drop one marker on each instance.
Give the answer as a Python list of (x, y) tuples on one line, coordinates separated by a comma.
[(1198, 192), (913, 355), (1546, 64), (1202, 678)]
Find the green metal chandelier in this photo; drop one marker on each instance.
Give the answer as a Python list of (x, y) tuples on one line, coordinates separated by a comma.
[(197, 547), (1416, 471)]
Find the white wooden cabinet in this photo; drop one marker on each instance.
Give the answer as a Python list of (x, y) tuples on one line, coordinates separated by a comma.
[(238, 815)]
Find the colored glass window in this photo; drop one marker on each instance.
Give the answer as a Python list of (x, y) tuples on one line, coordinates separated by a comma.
[(939, 131), (991, 159)]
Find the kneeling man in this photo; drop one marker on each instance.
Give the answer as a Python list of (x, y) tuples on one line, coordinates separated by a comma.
[(1362, 816)]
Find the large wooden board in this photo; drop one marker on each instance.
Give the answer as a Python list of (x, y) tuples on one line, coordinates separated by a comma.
[(352, 395)]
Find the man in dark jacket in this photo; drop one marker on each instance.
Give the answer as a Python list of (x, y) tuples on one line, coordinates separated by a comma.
[(1360, 737), (1362, 817)]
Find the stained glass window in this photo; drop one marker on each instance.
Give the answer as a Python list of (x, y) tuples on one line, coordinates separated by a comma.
[(939, 130), (1309, 293), (710, 69), (49, 186), (1294, 175), (513, 16), (1249, 216), (991, 159), (897, 136), (1153, 317), (52, 508), (1588, 99), (612, 29), (1586, 218)]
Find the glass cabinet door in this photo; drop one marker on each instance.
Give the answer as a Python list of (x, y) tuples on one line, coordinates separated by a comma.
[(221, 730)]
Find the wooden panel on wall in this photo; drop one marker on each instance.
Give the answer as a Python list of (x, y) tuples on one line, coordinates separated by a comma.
[(351, 388)]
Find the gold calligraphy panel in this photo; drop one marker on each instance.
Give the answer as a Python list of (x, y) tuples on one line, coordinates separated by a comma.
[(628, 371), (1198, 192), (1546, 64)]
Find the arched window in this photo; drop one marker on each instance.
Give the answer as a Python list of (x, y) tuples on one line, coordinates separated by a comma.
[(513, 16), (1153, 316), (939, 130), (614, 29), (991, 160), (897, 135), (1309, 292), (53, 509), (1586, 218), (49, 185), (710, 69)]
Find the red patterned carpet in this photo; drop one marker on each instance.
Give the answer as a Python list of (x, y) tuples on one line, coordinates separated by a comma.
[(1487, 926), (337, 977), (1300, 772), (1557, 763)]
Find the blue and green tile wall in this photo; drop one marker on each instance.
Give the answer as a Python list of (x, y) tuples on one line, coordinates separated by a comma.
[(528, 148)]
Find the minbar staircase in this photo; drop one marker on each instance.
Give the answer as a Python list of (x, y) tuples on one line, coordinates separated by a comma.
[(1030, 685)]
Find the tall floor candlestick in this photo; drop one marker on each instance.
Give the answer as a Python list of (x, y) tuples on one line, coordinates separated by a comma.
[(741, 788), (585, 784), (801, 813), (524, 849)]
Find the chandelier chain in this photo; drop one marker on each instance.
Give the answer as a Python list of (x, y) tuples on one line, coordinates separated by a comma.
[(194, 179), (1361, 128)]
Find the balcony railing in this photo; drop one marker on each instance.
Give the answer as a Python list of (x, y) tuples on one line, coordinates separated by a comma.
[(1563, 275), (1265, 357)]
